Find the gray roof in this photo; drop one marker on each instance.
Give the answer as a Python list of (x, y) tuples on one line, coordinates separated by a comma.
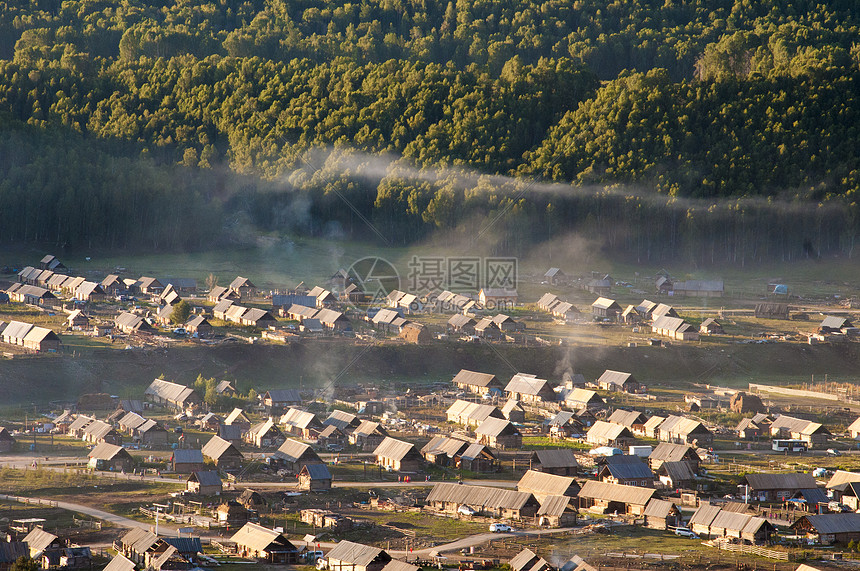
[(833, 322), (191, 545), (357, 554), (38, 539), (217, 447), (787, 481), (704, 515), (439, 445), (120, 563), (669, 452), (479, 496), (522, 560), (299, 419), (629, 470), (284, 395), (259, 538), (813, 496), (677, 471), (833, 523), (540, 483), (341, 419), (397, 565), (171, 392), (474, 451), (617, 378), (493, 426), (608, 430), (206, 478), (105, 451), (293, 450), (368, 427), (557, 458), (842, 477), (187, 456), (627, 417), (616, 492), (317, 471), (526, 384), (554, 505), (394, 449), (605, 303), (658, 508)]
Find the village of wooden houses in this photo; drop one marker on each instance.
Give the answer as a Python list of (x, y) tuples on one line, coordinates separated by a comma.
[(474, 471)]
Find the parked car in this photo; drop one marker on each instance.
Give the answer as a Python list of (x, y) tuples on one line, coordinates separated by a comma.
[(500, 528), (179, 331), (466, 510), (313, 556), (684, 532), (833, 452)]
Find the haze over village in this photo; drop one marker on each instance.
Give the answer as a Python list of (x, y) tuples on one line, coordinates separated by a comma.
[(415, 285)]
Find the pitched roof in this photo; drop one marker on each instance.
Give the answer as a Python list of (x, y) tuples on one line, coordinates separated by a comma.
[(341, 419), (704, 515), (397, 565), (439, 445), (616, 492), (554, 505), (658, 508), (105, 451), (356, 553), (237, 414), (493, 426), (614, 378), (626, 417), (316, 471), (605, 303), (368, 427), (474, 378), (120, 563), (473, 411), (171, 392), (479, 496), (828, 524), (526, 384), (292, 450), (475, 450), (608, 430), (259, 538), (522, 561), (557, 458), (187, 456), (677, 471), (545, 484), (38, 539), (217, 446), (284, 395), (206, 478), (299, 418), (394, 449), (638, 470), (786, 481), (842, 477)]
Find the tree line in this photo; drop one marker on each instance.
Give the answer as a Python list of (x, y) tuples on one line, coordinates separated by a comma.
[(179, 124)]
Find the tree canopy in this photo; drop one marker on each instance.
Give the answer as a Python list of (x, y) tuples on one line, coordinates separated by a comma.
[(178, 124)]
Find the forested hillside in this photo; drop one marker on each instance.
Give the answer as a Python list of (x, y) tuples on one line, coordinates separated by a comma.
[(175, 124)]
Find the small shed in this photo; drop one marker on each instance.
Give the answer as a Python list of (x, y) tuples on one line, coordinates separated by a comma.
[(205, 483), (315, 478)]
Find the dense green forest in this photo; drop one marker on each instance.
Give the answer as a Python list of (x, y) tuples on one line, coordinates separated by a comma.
[(714, 130)]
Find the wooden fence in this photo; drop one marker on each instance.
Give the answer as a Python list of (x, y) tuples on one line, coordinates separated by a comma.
[(751, 549)]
